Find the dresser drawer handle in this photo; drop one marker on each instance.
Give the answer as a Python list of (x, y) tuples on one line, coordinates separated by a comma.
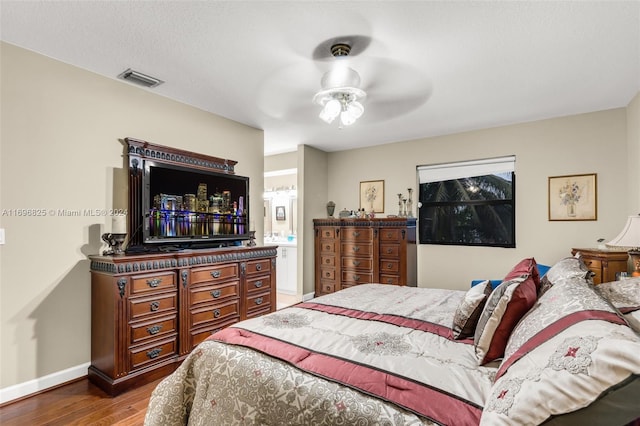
[(327, 234), (154, 282), (389, 280), (389, 265), (389, 235), (258, 284), (356, 277), (216, 274), (259, 267), (327, 274), (356, 263), (216, 293), (154, 306), (216, 313), (327, 261), (258, 301), (154, 329), (153, 353), (356, 248), (389, 251), (327, 247), (356, 234), (328, 288)]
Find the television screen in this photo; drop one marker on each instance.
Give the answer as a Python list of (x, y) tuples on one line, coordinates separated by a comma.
[(183, 205)]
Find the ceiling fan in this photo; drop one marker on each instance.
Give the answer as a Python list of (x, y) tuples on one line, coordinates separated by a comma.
[(340, 82)]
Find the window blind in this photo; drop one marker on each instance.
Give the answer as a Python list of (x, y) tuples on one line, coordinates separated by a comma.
[(462, 169)]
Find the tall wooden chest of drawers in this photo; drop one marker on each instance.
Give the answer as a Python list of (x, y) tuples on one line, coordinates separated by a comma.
[(149, 311), (349, 252)]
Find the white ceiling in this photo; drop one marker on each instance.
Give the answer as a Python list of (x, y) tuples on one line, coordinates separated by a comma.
[(429, 68)]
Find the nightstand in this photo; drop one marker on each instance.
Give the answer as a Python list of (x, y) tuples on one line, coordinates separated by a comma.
[(603, 263)]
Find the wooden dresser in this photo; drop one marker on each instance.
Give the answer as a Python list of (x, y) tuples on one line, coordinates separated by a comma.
[(149, 311), (603, 263), (357, 251)]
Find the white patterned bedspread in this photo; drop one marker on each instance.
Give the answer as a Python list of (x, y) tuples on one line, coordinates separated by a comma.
[(371, 354)]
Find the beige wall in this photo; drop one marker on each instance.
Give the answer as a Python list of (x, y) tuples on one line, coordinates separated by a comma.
[(59, 150), (588, 143), (633, 156), (288, 160), (312, 177)]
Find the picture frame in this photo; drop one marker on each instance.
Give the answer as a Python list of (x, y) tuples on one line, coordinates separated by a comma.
[(281, 213), (573, 197), (372, 196)]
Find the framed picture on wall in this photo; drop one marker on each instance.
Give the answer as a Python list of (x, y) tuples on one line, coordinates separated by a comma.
[(573, 197), (372, 196), (280, 213)]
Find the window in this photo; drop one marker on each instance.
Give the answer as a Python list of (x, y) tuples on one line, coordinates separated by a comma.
[(469, 203)]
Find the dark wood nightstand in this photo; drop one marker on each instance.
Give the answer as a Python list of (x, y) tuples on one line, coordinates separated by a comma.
[(603, 263)]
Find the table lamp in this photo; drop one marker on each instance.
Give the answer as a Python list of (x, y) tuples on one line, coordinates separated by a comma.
[(629, 239)]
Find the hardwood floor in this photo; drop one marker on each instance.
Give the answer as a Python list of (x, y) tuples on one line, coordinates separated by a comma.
[(79, 403)]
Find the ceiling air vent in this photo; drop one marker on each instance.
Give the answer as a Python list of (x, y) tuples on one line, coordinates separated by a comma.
[(139, 78)]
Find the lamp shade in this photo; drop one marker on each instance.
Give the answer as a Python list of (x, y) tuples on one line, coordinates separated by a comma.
[(629, 237)]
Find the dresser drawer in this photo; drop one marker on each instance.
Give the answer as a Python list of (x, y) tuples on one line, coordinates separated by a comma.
[(141, 307), (389, 266), (389, 279), (357, 234), (152, 282), (255, 284), (352, 263), (217, 312), (259, 301), (258, 266), (357, 249), (328, 260), (328, 273), (389, 250), (390, 235), (211, 293), (327, 233), (327, 286), (215, 273), (142, 356), (354, 277), (157, 328), (327, 247)]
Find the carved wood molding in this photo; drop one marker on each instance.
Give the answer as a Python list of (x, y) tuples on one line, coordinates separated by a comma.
[(165, 154)]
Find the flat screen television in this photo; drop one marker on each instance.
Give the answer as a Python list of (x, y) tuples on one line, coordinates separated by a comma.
[(190, 208)]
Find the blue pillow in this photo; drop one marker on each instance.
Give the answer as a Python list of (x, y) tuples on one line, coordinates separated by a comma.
[(542, 269)]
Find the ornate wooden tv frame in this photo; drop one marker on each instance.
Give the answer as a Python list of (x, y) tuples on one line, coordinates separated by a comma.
[(138, 151)]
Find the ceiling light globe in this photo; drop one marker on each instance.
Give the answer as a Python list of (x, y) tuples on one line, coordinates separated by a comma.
[(340, 76), (330, 111)]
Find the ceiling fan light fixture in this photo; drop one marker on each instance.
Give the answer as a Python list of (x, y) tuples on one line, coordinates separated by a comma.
[(340, 92)]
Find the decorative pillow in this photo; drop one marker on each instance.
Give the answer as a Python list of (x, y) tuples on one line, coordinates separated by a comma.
[(469, 310), (504, 308), (574, 295), (623, 294), (526, 266), (569, 267), (570, 360)]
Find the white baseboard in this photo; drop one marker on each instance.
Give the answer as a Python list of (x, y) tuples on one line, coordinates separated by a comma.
[(308, 296), (42, 383)]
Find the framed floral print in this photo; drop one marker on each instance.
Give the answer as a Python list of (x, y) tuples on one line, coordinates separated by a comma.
[(573, 197), (372, 196)]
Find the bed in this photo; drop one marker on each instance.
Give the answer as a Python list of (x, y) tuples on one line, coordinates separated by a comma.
[(533, 350)]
